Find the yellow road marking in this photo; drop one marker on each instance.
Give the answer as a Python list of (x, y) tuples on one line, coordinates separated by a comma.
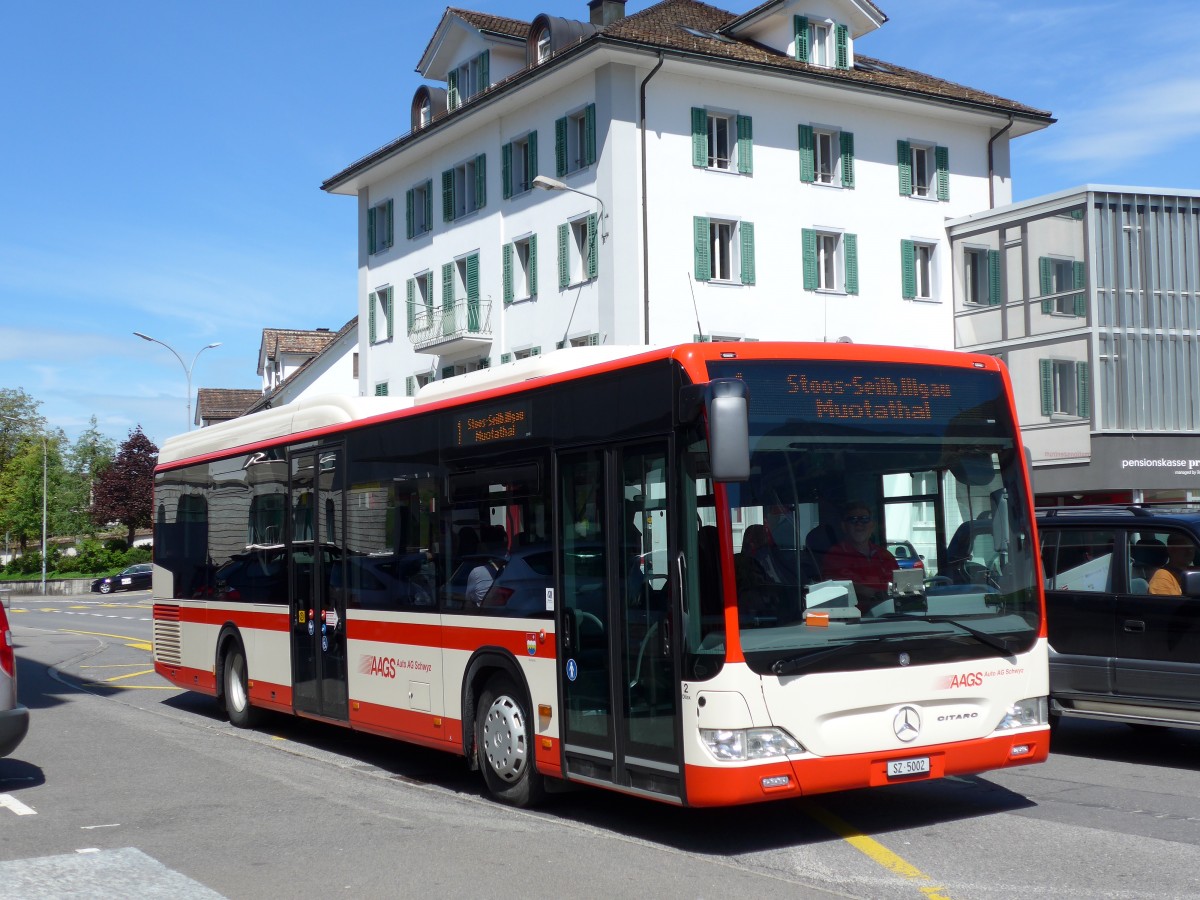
[(114, 666), (128, 675), (135, 643), (880, 854)]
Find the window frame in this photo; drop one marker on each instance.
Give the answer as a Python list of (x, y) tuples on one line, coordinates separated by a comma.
[(380, 230)]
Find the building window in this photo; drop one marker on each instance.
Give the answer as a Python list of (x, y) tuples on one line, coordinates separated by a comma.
[(1065, 387), (981, 276), (419, 296), (379, 315), (464, 188), (518, 161), (425, 113), (520, 269), (418, 204), (722, 141), (381, 389), (821, 43), (542, 46), (354, 365), (527, 352), (924, 170), (830, 261), (917, 270), (379, 226), (577, 251), (826, 156), (1058, 276), (724, 250), (467, 80), (575, 141)]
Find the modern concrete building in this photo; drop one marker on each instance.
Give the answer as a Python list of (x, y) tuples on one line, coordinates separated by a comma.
[(1092, 298), (678, 172)]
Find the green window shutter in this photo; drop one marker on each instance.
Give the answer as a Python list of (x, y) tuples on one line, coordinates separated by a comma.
[(800, 30), (1046, 375), (531, 275), (474, 320), (745, 143), (452, 89), (564, 268), (699, 137), (589, 133), (388, 300), (371, 230), (481, 181), (593, 340), (381, 389), (746, 234), (507, 257), (942, 158), (703, 262), (908, 269), (993, 277), (429, 205), (485, 363), (531, 167), (841, 43), (560, 147), (808, 166), (808, 245), (371, 301), (535, 351), (904, 166), (448, 195), (1083, 389), (593, 245), (410, 386), (1080, 273), (408, 214), (505, 357), (388, 219), (506, 170), (485, 66), (447, 286), (410, 288), (447, 372), (847, 141), (558, 345), (1046, 281), (850, 252)]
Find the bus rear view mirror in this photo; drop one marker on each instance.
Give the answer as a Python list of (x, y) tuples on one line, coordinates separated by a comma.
[(727, 402)]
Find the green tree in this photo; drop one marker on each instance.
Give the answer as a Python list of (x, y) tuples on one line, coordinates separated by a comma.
[(91, 453), (124, 491), (19, 421), (21, 486)]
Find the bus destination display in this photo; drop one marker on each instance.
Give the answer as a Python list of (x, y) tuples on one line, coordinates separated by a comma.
[(477, 427)]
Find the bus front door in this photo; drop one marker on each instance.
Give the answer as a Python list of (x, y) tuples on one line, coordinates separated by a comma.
[(619, 677), (315, 560)]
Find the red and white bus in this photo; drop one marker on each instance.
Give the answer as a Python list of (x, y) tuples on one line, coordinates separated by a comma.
[(620, 567)]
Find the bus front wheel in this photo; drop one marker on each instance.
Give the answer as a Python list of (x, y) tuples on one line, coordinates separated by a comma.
[(237, 689), (504, 744)]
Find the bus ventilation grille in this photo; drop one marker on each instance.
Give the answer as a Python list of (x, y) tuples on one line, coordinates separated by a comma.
[(166, 613), (166, 643)]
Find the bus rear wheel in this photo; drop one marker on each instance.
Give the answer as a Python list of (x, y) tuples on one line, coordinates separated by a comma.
[(237, 689), (504, 744)]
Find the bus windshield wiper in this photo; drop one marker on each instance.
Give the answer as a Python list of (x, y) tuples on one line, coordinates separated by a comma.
[(982, 636), (790, 665)]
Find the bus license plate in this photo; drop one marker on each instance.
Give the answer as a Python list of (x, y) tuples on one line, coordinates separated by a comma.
[(899, 768)]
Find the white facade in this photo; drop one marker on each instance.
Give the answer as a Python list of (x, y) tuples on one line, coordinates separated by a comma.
[(650, 284), (332, 371)]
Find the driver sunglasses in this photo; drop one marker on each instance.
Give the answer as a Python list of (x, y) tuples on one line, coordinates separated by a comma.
[(856, 520)]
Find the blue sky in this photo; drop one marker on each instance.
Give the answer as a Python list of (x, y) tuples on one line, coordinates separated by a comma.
[(162, 161)]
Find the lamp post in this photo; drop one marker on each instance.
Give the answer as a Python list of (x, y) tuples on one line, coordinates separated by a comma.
[(551, 184), (186, 368), (45, 482)]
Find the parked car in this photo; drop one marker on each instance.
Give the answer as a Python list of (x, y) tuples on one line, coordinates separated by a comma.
[(1118, 651), (134, 578), (906, 554), (14, 718)]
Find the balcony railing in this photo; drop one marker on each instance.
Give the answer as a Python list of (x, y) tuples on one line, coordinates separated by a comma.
[(466, 323)]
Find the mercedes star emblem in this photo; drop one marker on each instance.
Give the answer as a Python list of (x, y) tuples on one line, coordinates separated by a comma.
[(907, 723)]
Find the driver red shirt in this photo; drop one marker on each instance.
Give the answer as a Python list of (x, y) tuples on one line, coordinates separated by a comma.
[(873, 569)]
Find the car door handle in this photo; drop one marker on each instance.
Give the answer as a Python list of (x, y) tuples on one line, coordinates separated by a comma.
[(1137, 626)]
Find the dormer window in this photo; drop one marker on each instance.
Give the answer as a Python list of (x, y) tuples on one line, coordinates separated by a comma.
[(543, 46), (469, 79), (821, 42), (424, 113)]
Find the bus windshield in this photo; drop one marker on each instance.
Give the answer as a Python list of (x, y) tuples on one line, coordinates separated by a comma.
[(885, 517)]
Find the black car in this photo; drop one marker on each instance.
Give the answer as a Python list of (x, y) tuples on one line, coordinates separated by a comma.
[(1123, 612), (134, 578)]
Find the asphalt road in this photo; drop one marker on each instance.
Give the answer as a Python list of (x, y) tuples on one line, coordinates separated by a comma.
[(126, 786)]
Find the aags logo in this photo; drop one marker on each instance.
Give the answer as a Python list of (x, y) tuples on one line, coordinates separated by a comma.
[(964, 679)]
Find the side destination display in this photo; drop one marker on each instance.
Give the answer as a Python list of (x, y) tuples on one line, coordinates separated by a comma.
[(489, 424)]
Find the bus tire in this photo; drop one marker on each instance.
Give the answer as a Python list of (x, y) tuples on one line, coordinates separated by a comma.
[(237, 688), (504, 745)]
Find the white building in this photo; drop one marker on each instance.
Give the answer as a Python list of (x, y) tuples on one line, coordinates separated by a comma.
[(311, 363), (730, 176)]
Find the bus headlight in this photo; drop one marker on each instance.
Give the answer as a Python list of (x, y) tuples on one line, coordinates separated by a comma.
[(749, 743), (1023, 713)]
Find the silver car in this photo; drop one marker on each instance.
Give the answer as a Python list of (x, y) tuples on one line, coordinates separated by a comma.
[(14, 718)]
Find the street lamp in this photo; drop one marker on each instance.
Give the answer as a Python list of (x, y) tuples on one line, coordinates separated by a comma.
[(186, 368), (551, 184), (45, 481)]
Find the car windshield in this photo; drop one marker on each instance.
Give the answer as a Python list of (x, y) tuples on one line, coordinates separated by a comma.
[(859, 472)]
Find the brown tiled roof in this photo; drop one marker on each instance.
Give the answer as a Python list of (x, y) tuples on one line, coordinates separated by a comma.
[(220, 404), (290, 340), (495, 24)]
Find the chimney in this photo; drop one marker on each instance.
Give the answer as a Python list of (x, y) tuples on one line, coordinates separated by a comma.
[(605, 12)]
